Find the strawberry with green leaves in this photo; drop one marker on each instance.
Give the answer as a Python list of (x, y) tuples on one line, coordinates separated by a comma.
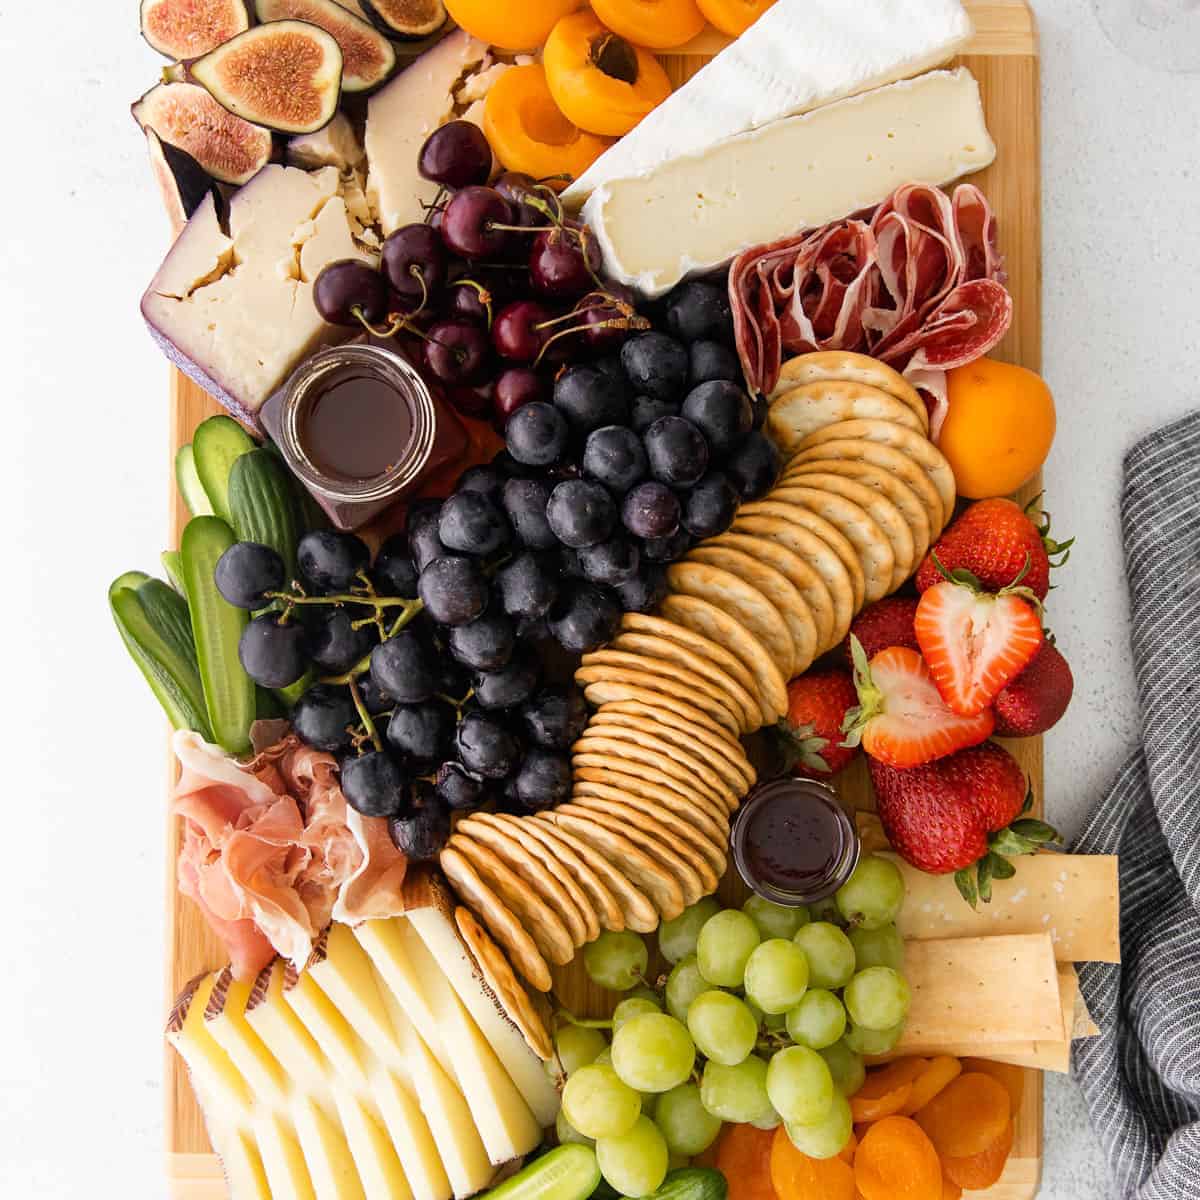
[(964, 814), (810, 735)]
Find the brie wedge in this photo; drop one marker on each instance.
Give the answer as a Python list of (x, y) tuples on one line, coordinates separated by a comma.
[(798, 55), (698, 212)]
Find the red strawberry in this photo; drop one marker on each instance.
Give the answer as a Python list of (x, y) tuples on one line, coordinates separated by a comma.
[(961, 814), (901, 719), (886, 623), (995, 540), (974, 642), (812, 731), (1038, 697)]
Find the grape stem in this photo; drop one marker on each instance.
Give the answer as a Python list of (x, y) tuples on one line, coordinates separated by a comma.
[(363, 665), (341, 598), (584, 1022), (365, 717)]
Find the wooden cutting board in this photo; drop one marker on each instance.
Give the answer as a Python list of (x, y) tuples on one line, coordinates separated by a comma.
[(1004, 58)]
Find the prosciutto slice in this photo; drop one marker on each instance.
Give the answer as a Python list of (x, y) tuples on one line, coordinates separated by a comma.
[(271, 851), (917, 282)]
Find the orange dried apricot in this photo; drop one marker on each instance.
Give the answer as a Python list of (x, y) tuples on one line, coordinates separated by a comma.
[(1013, 1078), (795, 1176), (734, 17), (744, 1158), (950, 1189), (940, 1073), (523, 26), (896, 1161), (655, 24), (601, 82), (528, 133), (886, 1090), (847, 1151), (966, 1116), (983, 1169)]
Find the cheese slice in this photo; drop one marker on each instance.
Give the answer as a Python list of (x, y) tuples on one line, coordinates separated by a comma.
[(326, 1153), (697, 211), (797, 56), (282, 1156), (284, 1034), (211, 1069), (411, 1136), (1074, 898), (243, 1167), (225, 1020), (375, 1157)]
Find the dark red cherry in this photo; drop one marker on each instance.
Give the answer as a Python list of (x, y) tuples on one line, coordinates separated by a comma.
[(475, 401), (470, 300), (516, 387), (456, 351), (514, 332), (414, 261), (473, 225), (347, 285), (564, 262), (456, 155), (517, 188)]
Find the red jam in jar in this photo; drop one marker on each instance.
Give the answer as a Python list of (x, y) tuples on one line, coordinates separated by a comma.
[(792, 842)]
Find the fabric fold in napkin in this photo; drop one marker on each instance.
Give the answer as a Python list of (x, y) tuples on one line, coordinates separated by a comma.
[(1141, 1076)]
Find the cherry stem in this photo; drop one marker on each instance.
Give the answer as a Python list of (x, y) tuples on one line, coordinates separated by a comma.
[(485, 297), (613, 323), (399, 321), (554, 214), (490, 225), (365, 717)]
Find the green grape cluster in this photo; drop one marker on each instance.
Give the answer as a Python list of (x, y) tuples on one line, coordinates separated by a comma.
[(764, 1017)]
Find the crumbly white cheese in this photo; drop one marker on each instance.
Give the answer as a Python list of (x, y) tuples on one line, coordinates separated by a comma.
[(699, 211), (798, 55), (336, 145)]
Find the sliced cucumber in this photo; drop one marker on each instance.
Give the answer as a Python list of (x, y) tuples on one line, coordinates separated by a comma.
[(564, 1173), (216, 445), (263, 505), (172, 566), (168, 612), (217, 626), (188, 482), (174, 677)]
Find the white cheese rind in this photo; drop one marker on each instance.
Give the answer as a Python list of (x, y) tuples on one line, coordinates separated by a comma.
[(798, 55), (699, 211)]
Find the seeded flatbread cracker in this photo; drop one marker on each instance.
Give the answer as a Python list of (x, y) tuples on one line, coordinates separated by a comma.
[(920, 449), (565, 861), (532, 872), (650, 645), (613, 691), (804, 409), (497, 917), (916, 516), (603, 673), (861, 368), (541, 922), (658, 882), (742, 601), (777, 588), (498, 975), (886, 458), (814, 551), (787, 562), (880, 509), (826, 531)]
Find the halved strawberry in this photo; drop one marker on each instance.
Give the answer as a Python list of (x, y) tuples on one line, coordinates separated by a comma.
[(975, 642), (901, 719)]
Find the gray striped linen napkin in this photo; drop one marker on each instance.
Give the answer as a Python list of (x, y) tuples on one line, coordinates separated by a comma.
[(1141, 1076)]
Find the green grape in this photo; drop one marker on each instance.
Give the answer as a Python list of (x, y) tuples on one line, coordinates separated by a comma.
[(877, 998), (726, 942), (770, 1121), (829, 952), (616, 960), (872, 896), (818, 1020), (825, 909), (577, 1045), (845, 1066), (799, 1085), (882, 947), (635, 1162), (653, 1052), (776, 975), (632, 1006), (684, 984), (826, 1137), (677, 938), (647, 993), (598, 1104), (604, 1058), (723, 1028), (737, 1094), (872, 1041), (568, 1133), (688, 1127), (775, 920)]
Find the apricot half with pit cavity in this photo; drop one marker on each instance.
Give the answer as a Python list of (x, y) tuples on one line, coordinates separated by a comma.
[(655, 24)]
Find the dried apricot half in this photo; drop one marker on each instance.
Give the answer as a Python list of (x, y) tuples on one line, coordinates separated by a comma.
[(655, 24), (966, 1116)]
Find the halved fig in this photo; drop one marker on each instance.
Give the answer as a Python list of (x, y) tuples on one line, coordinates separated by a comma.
[(286, 75), (183, 29), (182, 181), (406, 19), (367, 56), (187, 117)]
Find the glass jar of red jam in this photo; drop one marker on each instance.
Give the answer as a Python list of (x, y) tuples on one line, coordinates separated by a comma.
[(792, 841), (360, 429)]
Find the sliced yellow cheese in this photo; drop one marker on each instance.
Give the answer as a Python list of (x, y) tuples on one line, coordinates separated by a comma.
[(212, 1070), (410, 1134), (379, 1168), (283, 1033), (1073, 898), (243, 1166), (327, 1154), (225, 1019), (282, 1156)]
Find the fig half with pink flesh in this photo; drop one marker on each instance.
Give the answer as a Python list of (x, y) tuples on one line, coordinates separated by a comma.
[(183, 29), (367, 56), (406, 19), (184, 115), (285, 75)]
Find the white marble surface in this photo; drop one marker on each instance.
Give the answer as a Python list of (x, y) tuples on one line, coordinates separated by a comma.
[(85, 479)]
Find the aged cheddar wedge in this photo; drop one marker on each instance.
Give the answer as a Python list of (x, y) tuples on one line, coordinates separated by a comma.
[(798, 55), (698, 211)]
